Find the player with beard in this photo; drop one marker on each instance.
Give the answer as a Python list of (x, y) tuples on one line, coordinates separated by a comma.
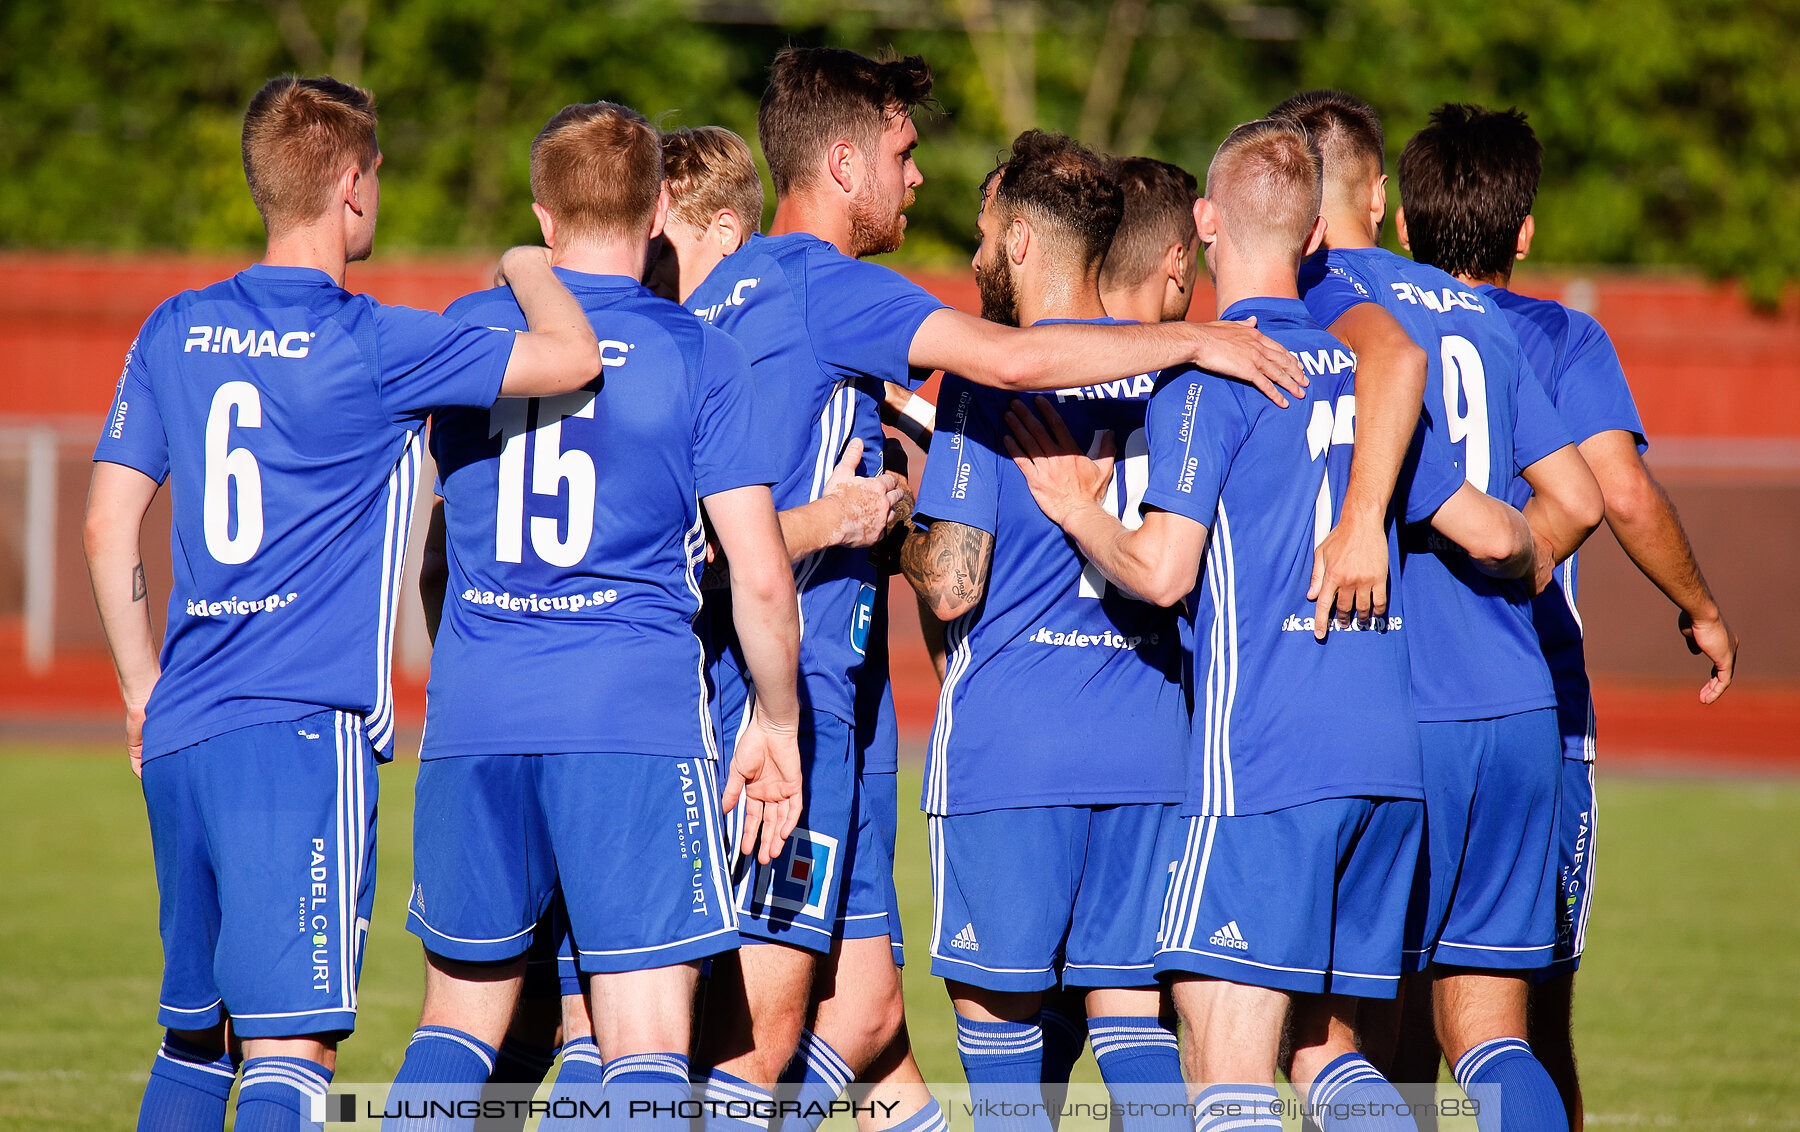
[(1050, 840), (838, 134)]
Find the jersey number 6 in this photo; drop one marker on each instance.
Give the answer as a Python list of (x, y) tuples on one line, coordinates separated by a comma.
[(224, 465)]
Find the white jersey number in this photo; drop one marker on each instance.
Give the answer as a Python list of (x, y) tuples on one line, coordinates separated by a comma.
[(1124, 497), (227, 467), (1328, 427), (1465, 381), (510, 420)]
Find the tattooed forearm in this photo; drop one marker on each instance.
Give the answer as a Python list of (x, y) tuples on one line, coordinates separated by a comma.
[(948, 565), (139, 591)]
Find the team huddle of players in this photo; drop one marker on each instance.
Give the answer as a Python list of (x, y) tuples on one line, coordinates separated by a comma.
[(1249, 718)]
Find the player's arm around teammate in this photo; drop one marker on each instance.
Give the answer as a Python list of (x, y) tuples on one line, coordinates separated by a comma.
[(1350, 565)]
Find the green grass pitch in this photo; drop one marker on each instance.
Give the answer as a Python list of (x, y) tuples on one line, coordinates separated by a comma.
[(1687, 1015)]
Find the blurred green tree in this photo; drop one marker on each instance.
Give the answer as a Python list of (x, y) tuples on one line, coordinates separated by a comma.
[(1667, 124)]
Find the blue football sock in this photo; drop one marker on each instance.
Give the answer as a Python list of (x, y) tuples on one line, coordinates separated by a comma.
[(816, 1076), (1065, 1036), (575, 1098), (1004, 1062), (928, 1119), (1350, 1093), (1527, 1096), (188, 1087), (645, 1090), (1141, 1065), (443, 1067), (1237, 1108), (277, 1093), (733, 1104)]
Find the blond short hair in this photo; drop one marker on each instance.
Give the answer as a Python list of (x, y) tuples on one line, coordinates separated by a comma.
[(1266, 181), (299, 134), (708, 169)]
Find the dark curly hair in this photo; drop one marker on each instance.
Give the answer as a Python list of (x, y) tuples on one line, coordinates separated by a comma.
[(1055, 180)]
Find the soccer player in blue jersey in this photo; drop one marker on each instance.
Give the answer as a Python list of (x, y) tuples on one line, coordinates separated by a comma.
[(601, 577), (1488, 726), (1476, 232), (287, 412), (1050, 837), (837, 131), (1304, 790)]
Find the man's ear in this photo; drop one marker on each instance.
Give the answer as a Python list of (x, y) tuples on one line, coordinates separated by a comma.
[(842, 161), (1175, 265), (350, 187), (1400, 228), (1526, 231), (547, 224), (661, 216), (1018, 245), (728, 229), (1378, 200), (1206, 219), (1315, 238)]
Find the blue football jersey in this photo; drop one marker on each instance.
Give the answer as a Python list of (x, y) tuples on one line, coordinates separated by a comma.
[(1281, 719), (286, 412), (814, 322), (877, 727), (1059, 690), (575, 540), (1576, 362), (1475, 652)]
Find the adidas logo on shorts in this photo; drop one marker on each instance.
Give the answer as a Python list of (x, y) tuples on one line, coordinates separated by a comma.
[(1229, 936), (965, 939)]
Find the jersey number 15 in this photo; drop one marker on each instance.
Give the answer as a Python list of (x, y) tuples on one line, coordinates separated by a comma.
[(540, 419)]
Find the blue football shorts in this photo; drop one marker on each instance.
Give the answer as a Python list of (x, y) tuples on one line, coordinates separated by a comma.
[(1578, 823), (633, 842), (871, 907), (264, 844), (1492, 794), (1023, 895), (796, 898), (1311, 899)]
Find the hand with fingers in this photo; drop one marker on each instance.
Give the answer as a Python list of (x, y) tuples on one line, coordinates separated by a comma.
[(1350, 576), (1062, 478), (765, 777), (134, 737), (1238, 350), (866, 503), (1713, 639)]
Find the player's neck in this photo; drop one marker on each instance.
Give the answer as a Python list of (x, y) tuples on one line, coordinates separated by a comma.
[(1346, 230), (311, 246), (1059, 294), (802, 212), (1236, 282), (1496, 279), (1143, 303), (609, 257), (695, 263)]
